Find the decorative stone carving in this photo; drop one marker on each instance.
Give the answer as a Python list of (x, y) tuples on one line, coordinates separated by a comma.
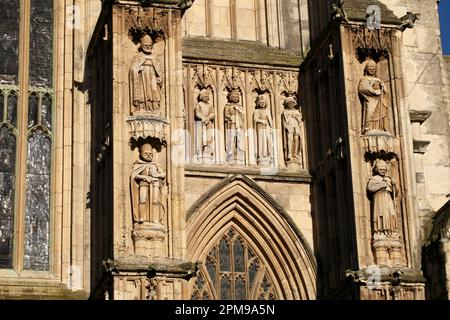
[(338, 12), (292, 119), (148, 198), (144, 126), (204, 127), (382, 190), (409, 20), (263, 125), (372, 93), (147, 188), (145, 80), (383, 193), (368, 42), (234, 128)]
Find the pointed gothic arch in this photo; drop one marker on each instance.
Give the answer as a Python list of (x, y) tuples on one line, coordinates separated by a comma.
[(238, 205)]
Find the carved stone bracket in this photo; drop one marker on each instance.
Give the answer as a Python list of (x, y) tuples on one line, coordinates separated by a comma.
[(420, 146), (379, 142), (146, 278), (144, 126), (393, 276)]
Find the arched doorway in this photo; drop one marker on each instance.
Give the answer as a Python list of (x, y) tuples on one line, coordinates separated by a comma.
[(248, 246)]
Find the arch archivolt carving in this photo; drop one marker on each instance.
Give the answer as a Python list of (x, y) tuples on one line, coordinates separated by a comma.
[(239, 204)]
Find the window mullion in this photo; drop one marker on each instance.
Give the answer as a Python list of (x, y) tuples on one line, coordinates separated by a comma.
[(23, 131)]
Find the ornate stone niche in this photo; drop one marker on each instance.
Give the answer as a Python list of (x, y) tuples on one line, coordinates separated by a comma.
[(385, 197), (235, 127), (292, 132), (148, 30), (148, 189), (263, 126), (240, 132), (204, 127)]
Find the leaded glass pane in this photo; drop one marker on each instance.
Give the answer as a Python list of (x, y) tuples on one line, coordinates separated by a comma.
[(212, 269), (46, 110), (41, 43), (37, 215), (33, 109), (239, 256), (253, 271), (7, 188), (224, 255), (239, 290), (12, 109), (225, 288), (9, 41), (2, 106)]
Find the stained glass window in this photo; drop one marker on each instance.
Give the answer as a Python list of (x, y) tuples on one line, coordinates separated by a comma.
[(27, 98), (7, 192), (232, 271), (9, 42)]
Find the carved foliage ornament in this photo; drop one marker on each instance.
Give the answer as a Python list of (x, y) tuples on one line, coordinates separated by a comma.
[(151, 21), (371, 42)]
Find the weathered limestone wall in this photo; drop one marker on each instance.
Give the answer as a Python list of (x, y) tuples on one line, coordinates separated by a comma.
[(293, 197), (272, 22), (425, 79)]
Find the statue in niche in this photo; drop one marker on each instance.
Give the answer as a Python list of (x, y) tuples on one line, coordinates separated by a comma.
[(145, 79), (292, 119), (373, 95), (383, 192), (204, 126), (146, 188), (234, 128), (263, 125)]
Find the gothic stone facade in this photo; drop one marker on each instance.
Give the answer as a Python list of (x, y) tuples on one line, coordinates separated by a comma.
[(226, 149)]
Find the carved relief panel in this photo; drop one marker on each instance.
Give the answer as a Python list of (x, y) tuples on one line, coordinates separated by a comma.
[(251, 117)]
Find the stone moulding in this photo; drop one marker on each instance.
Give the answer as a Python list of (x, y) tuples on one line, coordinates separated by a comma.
[(420, 146), (173, 268), (391, 275), (144, 126), (419, 116)]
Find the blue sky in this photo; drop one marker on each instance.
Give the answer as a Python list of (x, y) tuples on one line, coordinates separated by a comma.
[(444, 12)]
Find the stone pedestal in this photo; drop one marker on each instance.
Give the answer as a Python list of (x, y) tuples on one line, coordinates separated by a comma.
[(387, 249), (149, 240)]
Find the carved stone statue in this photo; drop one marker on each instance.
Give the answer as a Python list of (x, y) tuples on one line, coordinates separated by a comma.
[(204, 127), (292, 119), (146, 188), (145, 79), (263, 125), (383, 192), (373, 98), (234, 128)]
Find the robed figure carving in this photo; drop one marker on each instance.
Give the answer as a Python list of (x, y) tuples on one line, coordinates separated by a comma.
[(263, 125), (373, 96), (204, 127), (383, 192), (145, 79), (147, 188), (234, 128), (292, 119)]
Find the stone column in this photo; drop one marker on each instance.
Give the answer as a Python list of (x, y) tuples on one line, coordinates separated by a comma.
[(147, 148)]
